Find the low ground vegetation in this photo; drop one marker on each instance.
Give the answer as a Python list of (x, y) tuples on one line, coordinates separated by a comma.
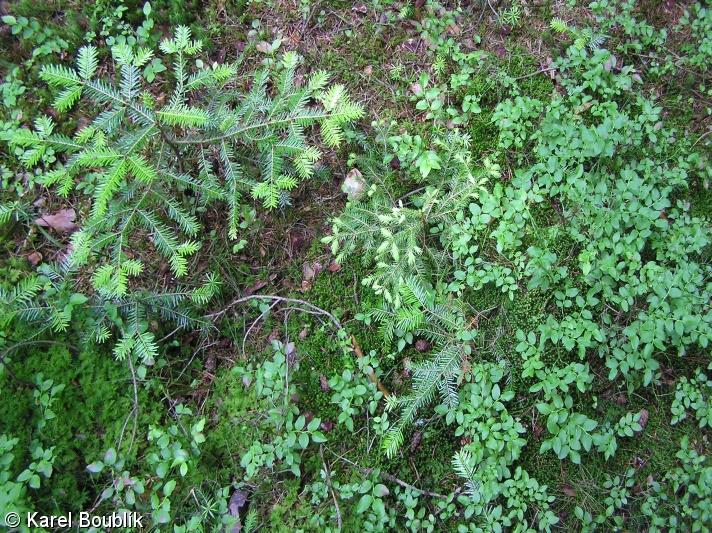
[(384, 266)]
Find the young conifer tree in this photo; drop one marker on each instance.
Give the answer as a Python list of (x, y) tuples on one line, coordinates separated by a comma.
[(148, 160)]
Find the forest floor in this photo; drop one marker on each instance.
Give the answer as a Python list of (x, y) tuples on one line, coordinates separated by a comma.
[(292, 290)]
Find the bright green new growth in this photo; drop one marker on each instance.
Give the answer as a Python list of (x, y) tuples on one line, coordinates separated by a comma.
[(390, 233), (141, 151), (443, 323), (148, 163), (534, 245)]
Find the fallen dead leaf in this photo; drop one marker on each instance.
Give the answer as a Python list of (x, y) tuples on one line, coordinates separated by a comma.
[(290, 352), (34, 258), (454, 30), (62, 221), (264, 47), (643, 420), (238, 503), (422, 345), (324, 383), (334, 267), (354, 185), (568, 490), (417, 437), (308, 272), (406, 367), (256, 286), (273, 335)]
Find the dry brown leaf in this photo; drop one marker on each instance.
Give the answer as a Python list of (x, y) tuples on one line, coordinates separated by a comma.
[(417, 438), (62, 221), (500, 51), (273, 335), (290, 352), (569, 491), (454, 30), (643, 420), (237, 506), (257, 285), (264, 47), (422, 345), (34, 258), (354, 185), (308, 272)]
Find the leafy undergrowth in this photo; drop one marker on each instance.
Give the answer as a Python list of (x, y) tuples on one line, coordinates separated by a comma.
[(384, 266)]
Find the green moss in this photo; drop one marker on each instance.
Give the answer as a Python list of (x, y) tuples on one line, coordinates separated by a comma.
[(280, 518), (700, 198), (230, 428), (484, 133), (90, 414)]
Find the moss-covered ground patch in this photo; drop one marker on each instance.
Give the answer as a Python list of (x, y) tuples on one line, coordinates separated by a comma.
[(292, 292)]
